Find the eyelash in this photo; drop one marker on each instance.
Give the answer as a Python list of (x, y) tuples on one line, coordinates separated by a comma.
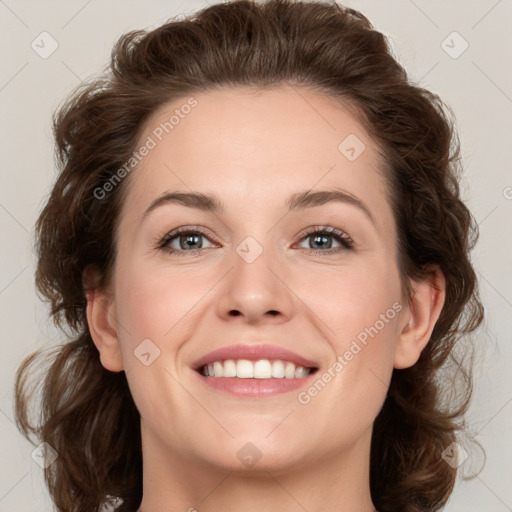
[(340, 236)]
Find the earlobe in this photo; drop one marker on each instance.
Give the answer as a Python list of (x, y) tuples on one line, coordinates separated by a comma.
[(420, 317), (102, 327)]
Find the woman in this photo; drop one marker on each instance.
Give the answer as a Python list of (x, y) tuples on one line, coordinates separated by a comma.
[(258, 241)]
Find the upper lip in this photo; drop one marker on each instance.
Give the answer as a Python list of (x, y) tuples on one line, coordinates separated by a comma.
[(253, 353)]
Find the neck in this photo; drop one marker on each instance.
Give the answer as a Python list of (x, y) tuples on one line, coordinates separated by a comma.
[(330, 483)]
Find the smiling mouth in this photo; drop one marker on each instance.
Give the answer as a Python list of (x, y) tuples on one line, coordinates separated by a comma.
[(258, 369)]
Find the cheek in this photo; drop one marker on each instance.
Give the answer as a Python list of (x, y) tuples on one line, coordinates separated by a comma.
[(359, 369), (153, 306), (352, 299), (150, 301), (363, 322), (360, 309)]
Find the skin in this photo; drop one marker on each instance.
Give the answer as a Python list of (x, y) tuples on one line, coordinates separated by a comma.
[(253, 149)]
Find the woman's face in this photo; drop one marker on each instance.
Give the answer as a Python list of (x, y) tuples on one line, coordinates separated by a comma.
[(277, 166)]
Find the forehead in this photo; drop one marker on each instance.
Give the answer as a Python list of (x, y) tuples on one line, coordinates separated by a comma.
[(256, 146)]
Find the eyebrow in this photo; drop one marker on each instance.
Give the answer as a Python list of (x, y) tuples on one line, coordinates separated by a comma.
[(297, 201)]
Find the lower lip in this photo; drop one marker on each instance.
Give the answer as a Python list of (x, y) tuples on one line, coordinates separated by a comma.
[(254, 387)]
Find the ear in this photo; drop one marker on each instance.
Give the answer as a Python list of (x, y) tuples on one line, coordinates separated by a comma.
[(420, 317), (102, 322)]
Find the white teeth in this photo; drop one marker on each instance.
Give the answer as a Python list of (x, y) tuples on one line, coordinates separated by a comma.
[(300, 372), (244, 369), (277, 369), (229, 368), (217, 368), (261, 369), (289, 371)]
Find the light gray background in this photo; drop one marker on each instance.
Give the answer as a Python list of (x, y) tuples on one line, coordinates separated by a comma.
[(477, 85)]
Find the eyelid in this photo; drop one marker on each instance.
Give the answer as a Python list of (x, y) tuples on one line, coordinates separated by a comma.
[(326, 229), (344, 240), (162, 241), (347, 243)]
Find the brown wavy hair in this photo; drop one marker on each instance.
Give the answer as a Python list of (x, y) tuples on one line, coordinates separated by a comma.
[(87, 413)]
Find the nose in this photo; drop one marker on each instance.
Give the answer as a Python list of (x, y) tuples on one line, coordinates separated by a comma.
[(256, 289)]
